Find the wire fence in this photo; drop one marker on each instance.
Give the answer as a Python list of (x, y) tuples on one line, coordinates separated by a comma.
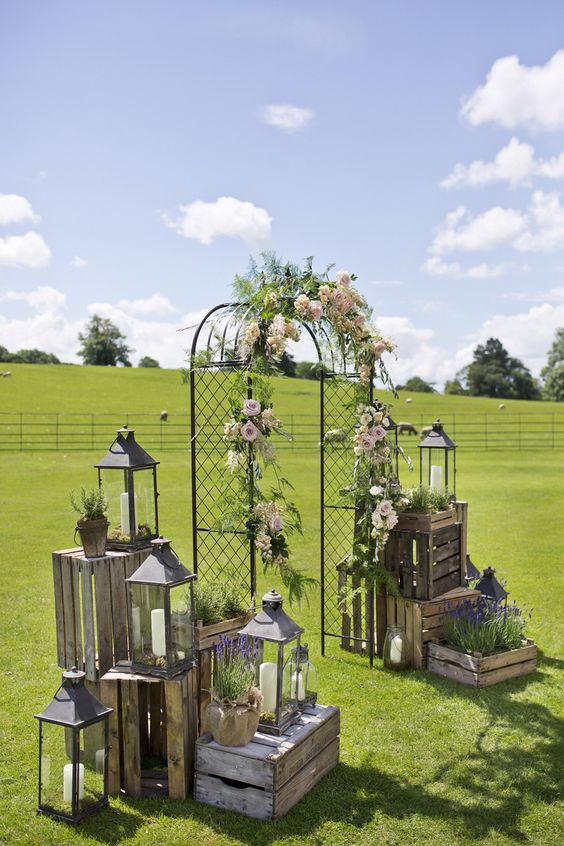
[(36, 431)]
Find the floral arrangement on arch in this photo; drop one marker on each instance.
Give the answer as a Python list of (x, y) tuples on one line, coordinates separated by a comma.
[(280, 296)]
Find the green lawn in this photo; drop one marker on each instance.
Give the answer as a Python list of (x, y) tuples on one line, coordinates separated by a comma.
[(423, 760)]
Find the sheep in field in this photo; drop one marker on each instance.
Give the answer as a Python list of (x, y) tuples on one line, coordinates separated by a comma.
[(407, 428)]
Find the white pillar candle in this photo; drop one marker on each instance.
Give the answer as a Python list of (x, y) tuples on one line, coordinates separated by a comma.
[(100, 759), (267, 683), (158, 631), (298, 687), (136, 627), (67, 782), (395, 650), (124, 513), (436, 476)]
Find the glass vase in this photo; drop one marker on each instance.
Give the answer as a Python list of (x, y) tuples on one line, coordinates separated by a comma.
[(396, 656)]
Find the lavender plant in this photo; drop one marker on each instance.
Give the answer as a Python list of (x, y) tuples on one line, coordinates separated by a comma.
[(485, 627), (234, 667)]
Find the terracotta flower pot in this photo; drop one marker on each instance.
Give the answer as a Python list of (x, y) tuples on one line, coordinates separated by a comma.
[(232, 723), (93, 536)]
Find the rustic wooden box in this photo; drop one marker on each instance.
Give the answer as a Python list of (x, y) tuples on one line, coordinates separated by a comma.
[(426, 553), (91, 608), (268, 776), (152, 717), (423, 620), (482, 670)]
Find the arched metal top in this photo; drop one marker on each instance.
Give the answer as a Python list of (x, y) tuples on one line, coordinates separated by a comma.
[(221, 329)]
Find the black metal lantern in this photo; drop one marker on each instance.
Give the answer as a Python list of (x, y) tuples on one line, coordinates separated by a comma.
[(73, 752), (472, 572), (436, 452), (490, 587), (160, 604), (276, 674), (128, 475)]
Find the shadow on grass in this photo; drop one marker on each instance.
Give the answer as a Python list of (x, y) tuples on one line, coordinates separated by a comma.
[(514, 760)]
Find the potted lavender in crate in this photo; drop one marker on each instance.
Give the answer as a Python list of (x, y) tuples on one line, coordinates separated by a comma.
[(232, 717), (483, 644)]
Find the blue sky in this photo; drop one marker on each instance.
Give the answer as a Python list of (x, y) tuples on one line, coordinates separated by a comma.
[(123, 124)]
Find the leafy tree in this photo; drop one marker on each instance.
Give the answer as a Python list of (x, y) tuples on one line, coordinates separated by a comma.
[(307, 370), (33, 356), (417, 385), (455, 386), (553, 373), (103, 343), (287, 365), (5, 355), (147, 361), (494, 373)]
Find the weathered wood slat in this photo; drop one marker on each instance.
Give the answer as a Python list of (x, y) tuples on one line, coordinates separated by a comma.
[(68, 613), (109, 695), (175, 694), (204, 684), (306, 779), (446, 534), (512, 671), (447, 583), (253, 802), (207, 636), (446, 550), (103, 595), (75, 570), (119, 608), (88, 620), (445, 568), (451, 671), (59, 612), (156, 719), (478, 670), (131, 744)]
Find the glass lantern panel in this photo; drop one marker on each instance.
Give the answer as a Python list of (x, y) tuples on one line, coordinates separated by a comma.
[(292, 684), (93, 762), (182, 633), (148, 640), (114, 483), (310, 682), (267, 679), (56, 768), (145, 517)]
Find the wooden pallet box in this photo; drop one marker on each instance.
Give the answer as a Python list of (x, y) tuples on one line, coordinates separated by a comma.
[(153, 718), (268, 776), (480, 670), (91, 608), (426, 553), (423, 619)]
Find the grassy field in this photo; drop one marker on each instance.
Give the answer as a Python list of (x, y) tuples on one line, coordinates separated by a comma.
[(423, 760)]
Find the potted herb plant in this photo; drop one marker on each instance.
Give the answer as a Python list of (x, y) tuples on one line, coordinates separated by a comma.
[(232, 717), (426, 509), (483, 644), (93, 523), (218, 611)]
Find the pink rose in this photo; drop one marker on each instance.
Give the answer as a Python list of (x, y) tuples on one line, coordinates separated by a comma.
[(378, 433), (316, 309), (385, 507), (342, 301), (366, 442), (379, 347), (251, 407), (276, 523), (249, 432), (391, 520), (344, 278)]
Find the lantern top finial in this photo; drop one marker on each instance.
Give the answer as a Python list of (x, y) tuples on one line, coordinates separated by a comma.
[(272, 623), (161, 567), (74, 675), (490, 587), (125, 452)]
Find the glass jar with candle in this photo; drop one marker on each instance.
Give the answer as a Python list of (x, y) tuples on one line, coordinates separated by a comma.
[(396, 656), (302, 677)]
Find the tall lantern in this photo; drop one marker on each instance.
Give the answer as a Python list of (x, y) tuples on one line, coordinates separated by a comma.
[(437, 453), (160, 604), (73, 752), (277, 668), (128, 475)]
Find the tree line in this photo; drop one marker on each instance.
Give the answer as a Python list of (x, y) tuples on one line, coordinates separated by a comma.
[(491, 373)]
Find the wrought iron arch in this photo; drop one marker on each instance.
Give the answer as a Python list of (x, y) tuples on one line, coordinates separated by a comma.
[(217, 553)]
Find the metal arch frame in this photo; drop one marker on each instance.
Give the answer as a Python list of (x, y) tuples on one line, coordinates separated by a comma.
[(235, 313)]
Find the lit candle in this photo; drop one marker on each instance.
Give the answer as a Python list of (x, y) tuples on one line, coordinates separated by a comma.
[(124, 511), (395, 650), (298, 684), (158, 631), (267, 682), (67, 782), (100, 759), (436, 476)]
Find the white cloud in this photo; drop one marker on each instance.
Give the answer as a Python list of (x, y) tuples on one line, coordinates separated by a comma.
[(519, 95), (396, 283), (29, 250), (545, 232), (436, 266), (515, 163), (78, 262), (286, 117), (493, 228), (418, 352), (43, 299), (226, 216), (15, 209), (154, 306)]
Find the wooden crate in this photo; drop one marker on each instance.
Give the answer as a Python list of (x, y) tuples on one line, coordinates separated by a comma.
[(426, 553), (91, 608), (152, 717), (268, 776), (423, 620), (482, 670)]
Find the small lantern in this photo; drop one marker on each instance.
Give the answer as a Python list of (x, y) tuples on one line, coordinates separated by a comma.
[(436, 451), (73, 752), (128, 475), (472, 572), (395, 652), (160, 604), (276, 677), (490, 587), (303, 677)]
